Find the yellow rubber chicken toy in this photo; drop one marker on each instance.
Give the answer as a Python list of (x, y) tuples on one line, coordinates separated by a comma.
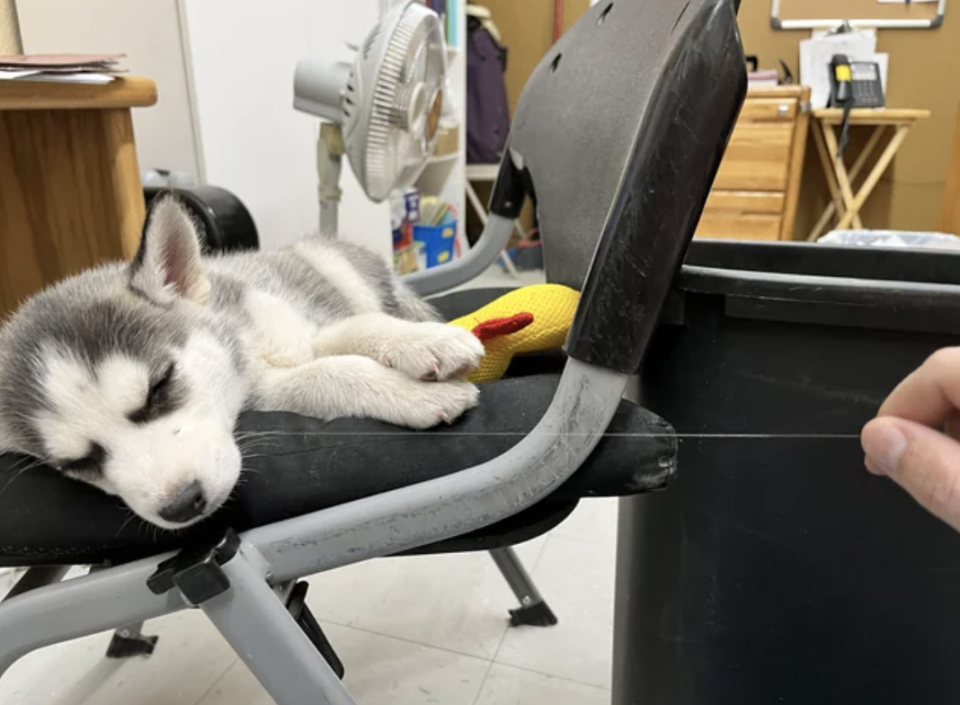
[(526, 320)]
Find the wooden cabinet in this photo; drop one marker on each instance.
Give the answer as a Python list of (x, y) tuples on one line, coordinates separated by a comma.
[(70, 194), (755, 194)]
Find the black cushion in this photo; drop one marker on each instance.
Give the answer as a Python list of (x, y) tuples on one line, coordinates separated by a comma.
[(297, 465), (301, 465)]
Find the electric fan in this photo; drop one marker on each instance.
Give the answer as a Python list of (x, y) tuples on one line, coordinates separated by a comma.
[(384, 109)]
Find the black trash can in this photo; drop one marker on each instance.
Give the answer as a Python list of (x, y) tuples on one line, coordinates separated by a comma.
[(777, 570)]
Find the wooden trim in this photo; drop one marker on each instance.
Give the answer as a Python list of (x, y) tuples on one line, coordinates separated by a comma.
[(795, 171), (757, 157), (124, 92), (870, 116), (780, 92), (124, 171), (721, 225), (770, 109), (950, 211), (70, 196), (745, 201)]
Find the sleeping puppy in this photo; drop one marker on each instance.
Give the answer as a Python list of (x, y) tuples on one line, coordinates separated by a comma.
[(131, 376)]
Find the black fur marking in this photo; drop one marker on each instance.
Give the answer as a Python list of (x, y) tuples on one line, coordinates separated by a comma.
[(89, 467), (163, 398), (86, 331)]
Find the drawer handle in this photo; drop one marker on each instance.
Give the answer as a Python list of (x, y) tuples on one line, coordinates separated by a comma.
[(783, 110)]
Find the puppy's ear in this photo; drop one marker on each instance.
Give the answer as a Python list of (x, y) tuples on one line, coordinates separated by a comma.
[(168, 265)]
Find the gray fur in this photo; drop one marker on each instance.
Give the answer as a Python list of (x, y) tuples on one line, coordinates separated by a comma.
[(99, 312), (138, 372)]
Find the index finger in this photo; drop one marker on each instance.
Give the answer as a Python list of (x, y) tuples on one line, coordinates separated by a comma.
[(929, 394)]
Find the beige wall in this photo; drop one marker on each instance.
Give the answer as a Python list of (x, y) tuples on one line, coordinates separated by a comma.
[(924, 73), (9, 31)]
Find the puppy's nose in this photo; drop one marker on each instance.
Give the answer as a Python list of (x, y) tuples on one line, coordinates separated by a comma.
[(189, 504)]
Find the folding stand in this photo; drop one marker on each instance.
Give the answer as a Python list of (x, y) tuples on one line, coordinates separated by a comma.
[(845, 204)]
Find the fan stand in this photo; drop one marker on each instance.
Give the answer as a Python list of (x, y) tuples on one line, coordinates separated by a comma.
[(330, 151)]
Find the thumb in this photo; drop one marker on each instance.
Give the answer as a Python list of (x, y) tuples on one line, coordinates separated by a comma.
[(926, 463)]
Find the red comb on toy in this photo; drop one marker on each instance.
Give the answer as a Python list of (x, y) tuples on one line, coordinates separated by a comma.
[(502, 326)]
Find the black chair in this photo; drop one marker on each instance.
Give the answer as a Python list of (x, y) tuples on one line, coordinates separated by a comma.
[(617, 138)]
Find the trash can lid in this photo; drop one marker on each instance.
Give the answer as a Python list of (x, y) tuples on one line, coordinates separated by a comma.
[(886, 288)]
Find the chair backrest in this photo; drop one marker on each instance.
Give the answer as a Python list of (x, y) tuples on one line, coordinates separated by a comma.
[(640, 95)]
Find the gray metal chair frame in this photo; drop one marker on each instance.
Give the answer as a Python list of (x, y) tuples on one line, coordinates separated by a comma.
[(617, 138)]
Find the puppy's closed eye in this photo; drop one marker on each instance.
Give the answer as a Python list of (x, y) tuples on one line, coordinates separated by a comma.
[(160, 398), (89, 467)]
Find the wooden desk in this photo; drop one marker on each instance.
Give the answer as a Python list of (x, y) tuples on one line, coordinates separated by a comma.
[(755, 193), (70, 193), (845, 205)]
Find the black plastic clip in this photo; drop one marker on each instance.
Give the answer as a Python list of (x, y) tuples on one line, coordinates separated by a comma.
[(537, 614), (129, 642), (197, 571)]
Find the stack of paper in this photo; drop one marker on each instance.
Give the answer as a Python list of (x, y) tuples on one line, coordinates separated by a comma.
[(61, 68), (816, 53), (765, 78)]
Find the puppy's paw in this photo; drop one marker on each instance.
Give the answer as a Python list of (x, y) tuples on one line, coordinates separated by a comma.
[(434, 352), (428, 405)]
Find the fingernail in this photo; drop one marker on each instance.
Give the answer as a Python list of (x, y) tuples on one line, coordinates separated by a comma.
[(884, 443)]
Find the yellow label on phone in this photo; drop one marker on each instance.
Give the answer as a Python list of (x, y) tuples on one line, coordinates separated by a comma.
[(843, 72)]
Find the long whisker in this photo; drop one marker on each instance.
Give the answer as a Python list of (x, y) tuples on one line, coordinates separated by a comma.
[(19, 472)]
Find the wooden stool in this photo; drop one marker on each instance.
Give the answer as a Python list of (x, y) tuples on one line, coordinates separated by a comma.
[(70, 193), (846, 206)]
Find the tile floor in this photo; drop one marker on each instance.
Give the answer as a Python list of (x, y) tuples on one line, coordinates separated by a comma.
[(410, 631)]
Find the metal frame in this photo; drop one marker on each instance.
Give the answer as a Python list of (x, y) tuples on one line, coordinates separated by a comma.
[(630, 216), (932, 23), (252, 615), (488, 172)]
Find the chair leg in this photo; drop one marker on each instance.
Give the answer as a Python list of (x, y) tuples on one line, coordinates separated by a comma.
[(256, 623), (131, 641), (37, 577), (533, 610)]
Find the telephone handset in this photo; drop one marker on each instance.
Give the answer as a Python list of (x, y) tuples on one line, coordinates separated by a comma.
[(853, 85)]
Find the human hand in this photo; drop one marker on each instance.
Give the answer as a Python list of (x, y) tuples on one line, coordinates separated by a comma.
[(915, 439)]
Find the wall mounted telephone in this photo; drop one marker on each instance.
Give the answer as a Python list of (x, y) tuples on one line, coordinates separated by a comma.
[(853, 84)]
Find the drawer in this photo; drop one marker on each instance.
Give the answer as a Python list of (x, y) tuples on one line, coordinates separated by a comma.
[(757, 158), (745, 202), (729, 225), (767, 109)]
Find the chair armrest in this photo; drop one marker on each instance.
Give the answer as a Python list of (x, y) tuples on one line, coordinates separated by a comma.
[(506, 202), (426, 513), (473, 263)]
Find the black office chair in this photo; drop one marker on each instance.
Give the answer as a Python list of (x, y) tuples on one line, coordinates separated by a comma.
[(617, 138)]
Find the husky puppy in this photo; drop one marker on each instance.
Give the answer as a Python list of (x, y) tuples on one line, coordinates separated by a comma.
[(131, 377)]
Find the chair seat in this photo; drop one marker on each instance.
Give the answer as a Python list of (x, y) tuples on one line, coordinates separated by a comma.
[(297, 465)]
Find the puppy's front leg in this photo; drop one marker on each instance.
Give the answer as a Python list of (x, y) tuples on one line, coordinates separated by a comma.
[(422, 351), (352, 385)]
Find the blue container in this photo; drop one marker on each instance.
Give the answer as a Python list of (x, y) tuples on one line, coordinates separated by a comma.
[(438, 242)]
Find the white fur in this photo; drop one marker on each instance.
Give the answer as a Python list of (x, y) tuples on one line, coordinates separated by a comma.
[(282, 335), (339, 272), (267, 348), (147, 464)]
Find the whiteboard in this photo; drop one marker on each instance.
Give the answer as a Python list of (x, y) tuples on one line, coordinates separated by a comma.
[(880, 14)]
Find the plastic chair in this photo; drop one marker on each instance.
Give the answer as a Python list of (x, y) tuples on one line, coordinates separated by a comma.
[(617, 138)]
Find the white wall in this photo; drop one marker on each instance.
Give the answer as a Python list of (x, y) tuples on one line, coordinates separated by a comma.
[(235, 126), (148, 31), (243, 55)]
